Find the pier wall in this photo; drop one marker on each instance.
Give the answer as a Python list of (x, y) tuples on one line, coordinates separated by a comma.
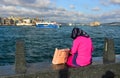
[(92, 71), (107, 66)]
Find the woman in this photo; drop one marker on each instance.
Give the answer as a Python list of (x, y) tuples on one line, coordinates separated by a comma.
[(81, 51)]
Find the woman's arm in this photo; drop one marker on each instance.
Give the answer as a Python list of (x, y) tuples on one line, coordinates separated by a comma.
[(75, 46)]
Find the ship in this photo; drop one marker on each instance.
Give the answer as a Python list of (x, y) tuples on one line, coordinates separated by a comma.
[(96, 23), (47, 25)]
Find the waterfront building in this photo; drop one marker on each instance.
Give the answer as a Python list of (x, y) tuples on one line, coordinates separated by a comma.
[(0, 20), (25, 22)]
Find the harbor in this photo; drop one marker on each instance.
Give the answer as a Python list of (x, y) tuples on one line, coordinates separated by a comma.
[(26, 21)]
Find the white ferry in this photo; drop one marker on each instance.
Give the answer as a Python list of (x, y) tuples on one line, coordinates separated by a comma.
[(47, 25)]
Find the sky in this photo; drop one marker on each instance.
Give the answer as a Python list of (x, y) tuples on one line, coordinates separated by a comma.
[(66, 11)]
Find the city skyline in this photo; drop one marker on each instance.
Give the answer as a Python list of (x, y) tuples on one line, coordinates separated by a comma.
[(75, 11)]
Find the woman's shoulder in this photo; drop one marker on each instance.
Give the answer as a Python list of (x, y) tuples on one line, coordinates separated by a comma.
[(83, 38), (78, 39)]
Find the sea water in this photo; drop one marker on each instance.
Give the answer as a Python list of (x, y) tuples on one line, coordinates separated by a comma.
[(40, 43)]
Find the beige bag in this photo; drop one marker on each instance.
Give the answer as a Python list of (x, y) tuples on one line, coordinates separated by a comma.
[(60, 56)]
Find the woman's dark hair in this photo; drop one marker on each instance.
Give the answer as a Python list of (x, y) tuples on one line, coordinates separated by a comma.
[(78, 32)]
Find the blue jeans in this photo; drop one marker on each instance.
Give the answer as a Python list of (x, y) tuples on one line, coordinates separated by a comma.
[(74, 59)]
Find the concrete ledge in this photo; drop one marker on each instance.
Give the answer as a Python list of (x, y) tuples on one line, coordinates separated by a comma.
[(92, 71), (47, 70)]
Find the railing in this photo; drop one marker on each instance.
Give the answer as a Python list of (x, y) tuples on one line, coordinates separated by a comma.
[(109, 68)]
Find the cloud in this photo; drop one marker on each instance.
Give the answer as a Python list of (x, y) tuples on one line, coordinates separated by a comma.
[(109, 2), (105, 2), (96, 9), (27, 3), (43, 8), (26, 6), (115, 2), (72, 6), (39, 8), (113, 16)]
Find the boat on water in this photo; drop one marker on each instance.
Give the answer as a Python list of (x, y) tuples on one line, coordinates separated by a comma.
[(96, 23), (47, 25)]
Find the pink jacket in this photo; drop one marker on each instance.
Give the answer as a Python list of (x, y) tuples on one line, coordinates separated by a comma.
[(84, 47)]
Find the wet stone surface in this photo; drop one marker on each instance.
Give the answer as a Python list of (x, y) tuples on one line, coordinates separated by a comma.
[(38, 67)]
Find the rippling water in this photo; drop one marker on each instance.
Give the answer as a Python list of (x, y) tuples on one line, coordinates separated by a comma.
[(40, 43)]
